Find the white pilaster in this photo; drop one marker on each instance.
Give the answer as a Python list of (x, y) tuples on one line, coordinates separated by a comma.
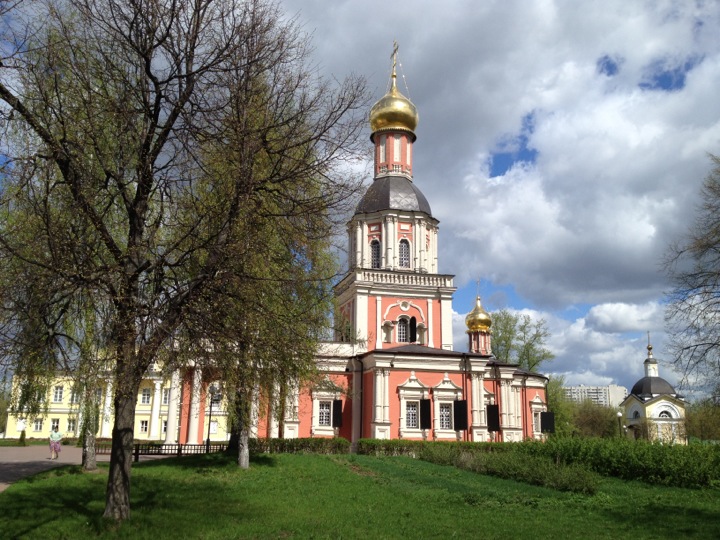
[(194, 427), (378, 323), (377, 394), (359, 243), (173, 406), (430, 324), (386, 396), (155, 412)]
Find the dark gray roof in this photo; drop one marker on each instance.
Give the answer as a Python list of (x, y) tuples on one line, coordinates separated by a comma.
[(648, 387), (393, 193)]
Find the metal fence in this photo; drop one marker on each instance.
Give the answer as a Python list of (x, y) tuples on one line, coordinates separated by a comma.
[(154, 449)]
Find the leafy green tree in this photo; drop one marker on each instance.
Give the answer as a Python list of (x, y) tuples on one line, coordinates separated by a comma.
[(702, 420), (519, 339), (562, 407), (146, 140), (593, 420), (693, 313)]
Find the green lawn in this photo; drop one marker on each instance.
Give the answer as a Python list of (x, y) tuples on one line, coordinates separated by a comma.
[(311, 496)]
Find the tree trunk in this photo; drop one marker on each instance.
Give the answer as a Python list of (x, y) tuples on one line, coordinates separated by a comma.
[(89, 428), (89, 459), (244, 447), (117, 497)]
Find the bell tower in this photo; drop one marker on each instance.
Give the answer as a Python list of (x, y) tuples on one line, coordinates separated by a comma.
[(392, 294)]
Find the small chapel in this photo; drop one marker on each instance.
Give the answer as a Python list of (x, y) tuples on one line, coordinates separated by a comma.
[(399, 377)]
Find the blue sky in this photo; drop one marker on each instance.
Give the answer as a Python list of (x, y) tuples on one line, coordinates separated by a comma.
[(561, 144)]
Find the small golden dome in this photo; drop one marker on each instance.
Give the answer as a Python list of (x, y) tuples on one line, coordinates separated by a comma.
[(478, 319), (393, 110)]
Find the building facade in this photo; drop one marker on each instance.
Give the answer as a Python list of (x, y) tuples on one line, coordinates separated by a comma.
[(392, 373)]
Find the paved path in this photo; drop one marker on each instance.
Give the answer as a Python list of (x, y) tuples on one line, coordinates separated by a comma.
[(17, 462)]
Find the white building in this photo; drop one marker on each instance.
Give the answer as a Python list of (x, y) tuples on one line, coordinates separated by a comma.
[(611, 395)]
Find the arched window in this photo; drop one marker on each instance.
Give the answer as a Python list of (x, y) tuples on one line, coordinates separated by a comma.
[(375, 254), (413, 330), (402, 330), (665, 414), (404, 255), (636, 414)]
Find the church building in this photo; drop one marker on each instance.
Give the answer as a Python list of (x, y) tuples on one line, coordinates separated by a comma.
[(397, 376)]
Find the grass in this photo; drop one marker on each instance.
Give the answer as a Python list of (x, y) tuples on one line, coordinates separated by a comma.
[(314, 496)]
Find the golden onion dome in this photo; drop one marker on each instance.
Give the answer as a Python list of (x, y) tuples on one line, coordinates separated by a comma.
[(478, 319), (394, 111)]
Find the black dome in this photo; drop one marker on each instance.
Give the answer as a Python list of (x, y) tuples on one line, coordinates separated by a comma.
[(648, 387), (393, 193)]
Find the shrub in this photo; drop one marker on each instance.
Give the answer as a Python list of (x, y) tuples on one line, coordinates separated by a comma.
[(671, 465), (312, 445)]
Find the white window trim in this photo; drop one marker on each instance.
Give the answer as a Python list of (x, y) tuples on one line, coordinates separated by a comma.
[(144, 426), (143, 393), (411, 390), (407, 329), (405, 241), (317, 397), (61, 392), (445, 392), (537, 406)]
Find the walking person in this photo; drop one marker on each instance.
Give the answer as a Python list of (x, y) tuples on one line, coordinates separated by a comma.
[(55, 439)]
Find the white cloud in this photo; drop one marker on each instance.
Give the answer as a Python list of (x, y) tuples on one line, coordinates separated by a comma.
[(617, 166)]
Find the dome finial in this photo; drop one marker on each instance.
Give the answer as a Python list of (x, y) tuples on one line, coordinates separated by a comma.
[(649, 346), (393, 77)]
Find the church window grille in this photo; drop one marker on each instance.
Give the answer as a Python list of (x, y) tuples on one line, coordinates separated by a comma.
[(324, 413), (404, 254), (397, 168), (375, 254), (402, 331), (446, 416), (411, 415)]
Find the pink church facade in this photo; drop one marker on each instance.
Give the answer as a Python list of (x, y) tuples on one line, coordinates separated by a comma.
[(393, 373)]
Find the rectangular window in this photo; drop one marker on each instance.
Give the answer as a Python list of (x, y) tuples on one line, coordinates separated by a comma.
[(324, 413), (164, 428), (72, 424), (143, 426), (166, 396), (145, 396), (411, 415), (54, 424), (396, 148), (58, 394), (536, 422), (445, 416), (382, 148), (74, 395), (38, 424)]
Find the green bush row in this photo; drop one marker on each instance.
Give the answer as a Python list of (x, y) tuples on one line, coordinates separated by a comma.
[(692, 466), (313, 445), (534, 470)]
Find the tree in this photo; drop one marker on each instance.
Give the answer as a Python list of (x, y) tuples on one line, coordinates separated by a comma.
[(702, 420), (520, 340), (693, 313), (4, 406), (560, 406), (145, 140), (593, 420)]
